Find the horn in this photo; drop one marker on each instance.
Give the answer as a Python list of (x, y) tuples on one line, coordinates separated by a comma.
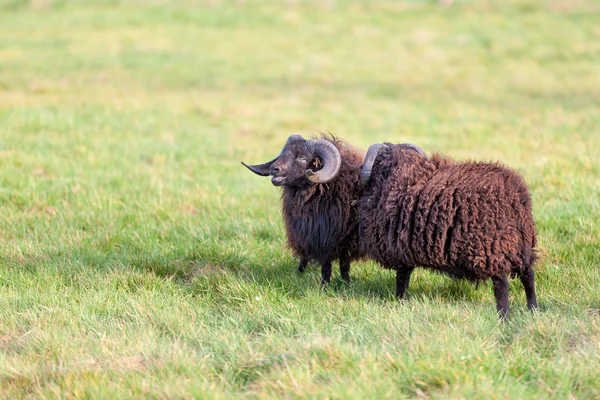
[(415, 148), (365, 172), (332, 161), (265, 169), (260, 169)]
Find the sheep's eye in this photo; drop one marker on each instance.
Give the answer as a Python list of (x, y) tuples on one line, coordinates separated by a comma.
[(303, 159)]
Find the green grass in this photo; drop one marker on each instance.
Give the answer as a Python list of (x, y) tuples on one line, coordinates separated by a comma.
[(140, 259)]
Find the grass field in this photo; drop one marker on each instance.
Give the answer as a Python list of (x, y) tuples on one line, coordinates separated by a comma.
[(139, 258)]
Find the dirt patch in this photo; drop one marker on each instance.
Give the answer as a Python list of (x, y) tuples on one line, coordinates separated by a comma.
[(28, 381), (203, 271), (594, 312), (188, 270), (5, 341), (41, 209), (122, 364)]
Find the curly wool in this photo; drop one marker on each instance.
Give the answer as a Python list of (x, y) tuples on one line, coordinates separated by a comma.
[(470, 220)]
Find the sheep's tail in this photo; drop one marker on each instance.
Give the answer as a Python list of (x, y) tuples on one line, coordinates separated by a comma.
[(527, 253), (529, 243), (533, 252)]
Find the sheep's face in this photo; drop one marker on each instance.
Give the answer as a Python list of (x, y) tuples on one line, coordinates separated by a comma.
[(289, 169), (301, 163)]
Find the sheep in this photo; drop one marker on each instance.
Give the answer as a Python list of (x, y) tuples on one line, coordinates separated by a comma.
[(470, 220), (320, 187)]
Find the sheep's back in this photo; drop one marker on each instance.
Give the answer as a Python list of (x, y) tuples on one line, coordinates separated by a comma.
[(471, 220)]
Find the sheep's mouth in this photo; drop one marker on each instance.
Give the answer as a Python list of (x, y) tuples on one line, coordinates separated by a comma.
[(278, 180)]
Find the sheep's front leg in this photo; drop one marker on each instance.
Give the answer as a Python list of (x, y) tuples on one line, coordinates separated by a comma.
[(501, 293), (302, 265), (325, 273), (402, 280), (345, 269)]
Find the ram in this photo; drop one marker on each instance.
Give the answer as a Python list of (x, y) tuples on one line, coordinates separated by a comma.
[(320, 188), (470, 220)]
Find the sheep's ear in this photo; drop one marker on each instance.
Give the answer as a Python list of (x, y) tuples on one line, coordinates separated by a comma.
[(317, 162), (260, 169)]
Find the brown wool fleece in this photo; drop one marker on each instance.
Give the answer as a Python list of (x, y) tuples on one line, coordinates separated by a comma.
[(470, 220)]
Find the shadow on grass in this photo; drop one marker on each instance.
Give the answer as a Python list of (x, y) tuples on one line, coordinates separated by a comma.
[(368, 280), (201, 270)]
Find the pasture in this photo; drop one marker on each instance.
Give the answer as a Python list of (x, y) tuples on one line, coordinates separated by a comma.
[(139, 258)]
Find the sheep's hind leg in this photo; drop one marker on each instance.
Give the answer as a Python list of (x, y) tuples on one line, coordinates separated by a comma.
[(302, 265), (402, 281), (325, 273), (529, 285), (501, 293), (345, 269)]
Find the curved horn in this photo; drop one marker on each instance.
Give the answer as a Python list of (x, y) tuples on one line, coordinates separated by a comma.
[(265, 169), (261, 169), (365, 172), (332, 161), (416, 148)]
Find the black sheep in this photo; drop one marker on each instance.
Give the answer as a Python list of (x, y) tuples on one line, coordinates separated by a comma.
[(470, 220), (320, 181)]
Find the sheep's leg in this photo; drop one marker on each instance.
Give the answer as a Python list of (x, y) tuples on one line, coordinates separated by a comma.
[(345, 269), (529, 285), (501, 293), (402, 281), (325, 273), (302, 265)]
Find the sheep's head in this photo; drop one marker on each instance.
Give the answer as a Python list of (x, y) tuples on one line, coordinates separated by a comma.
[(301, 162)]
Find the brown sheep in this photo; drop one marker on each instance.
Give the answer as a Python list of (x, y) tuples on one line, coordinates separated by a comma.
[(470, 220)]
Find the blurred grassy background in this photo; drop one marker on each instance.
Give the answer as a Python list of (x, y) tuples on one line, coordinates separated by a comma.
[(139, 258)]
